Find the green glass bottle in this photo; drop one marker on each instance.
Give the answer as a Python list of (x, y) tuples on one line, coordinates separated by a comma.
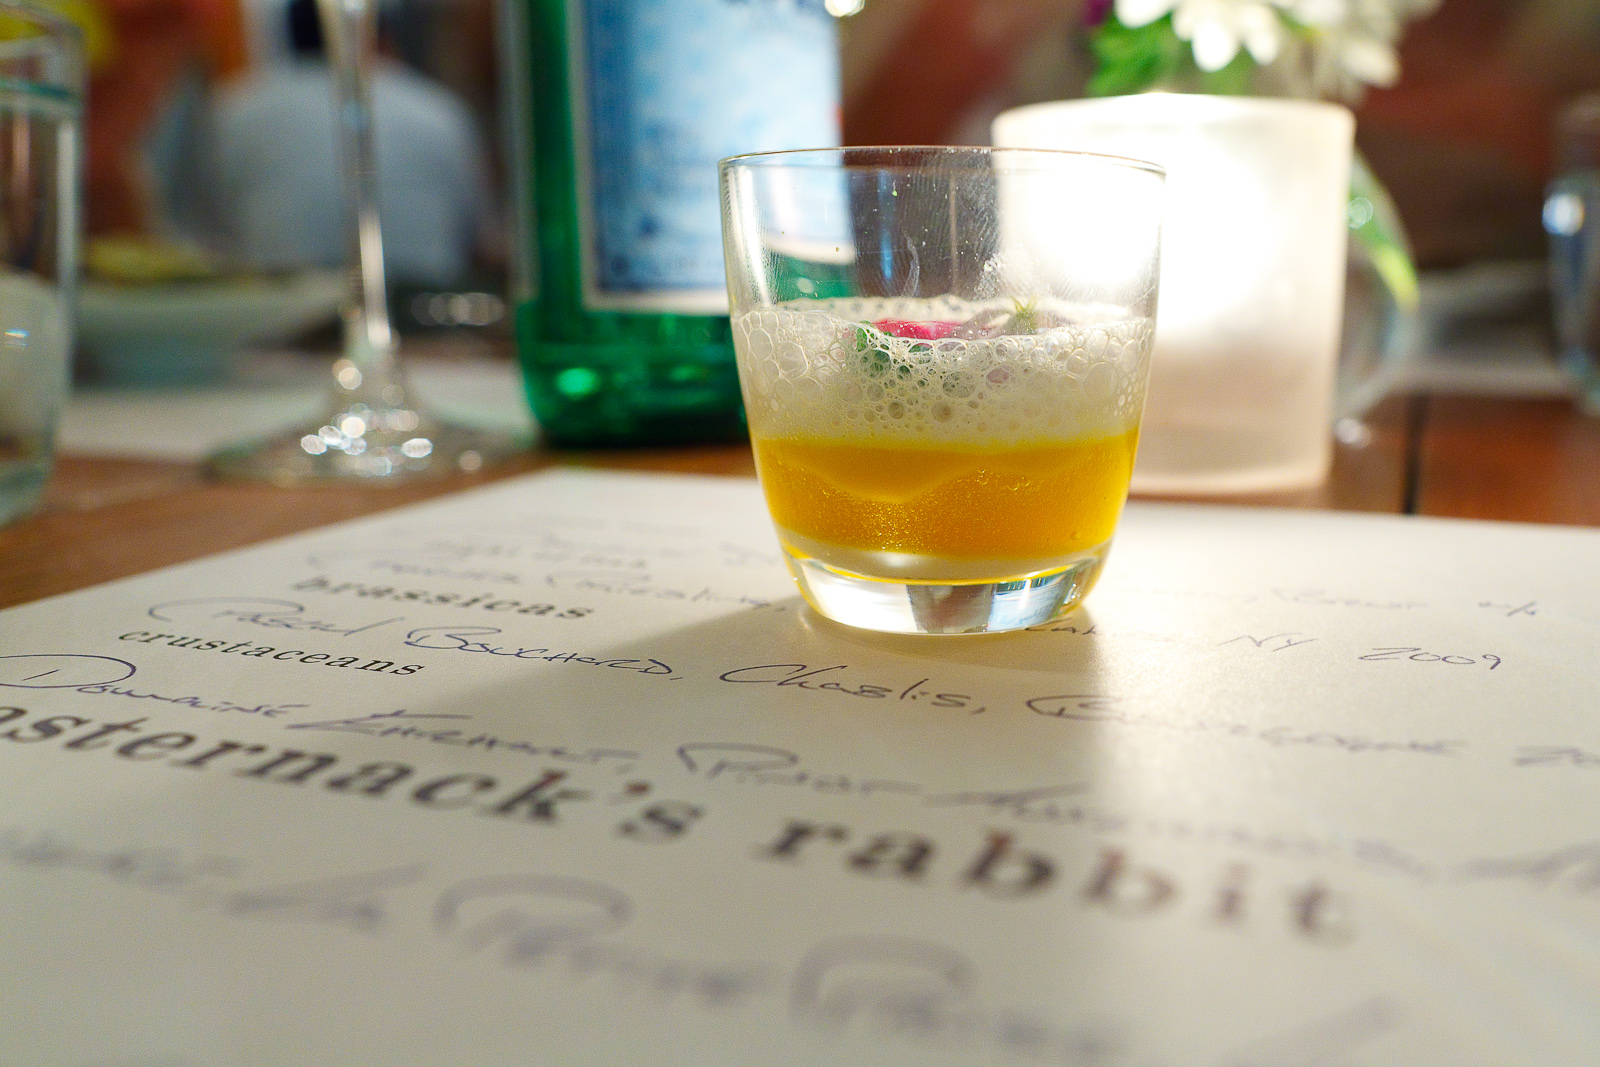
[(620, 111)]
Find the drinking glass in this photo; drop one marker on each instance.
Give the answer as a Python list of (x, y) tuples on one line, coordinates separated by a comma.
[(1572, 219), (371, 427), (943, 353), (41, 98), (1253, 265)]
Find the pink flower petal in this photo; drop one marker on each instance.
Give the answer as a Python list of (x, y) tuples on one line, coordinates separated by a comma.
[(921, 331)]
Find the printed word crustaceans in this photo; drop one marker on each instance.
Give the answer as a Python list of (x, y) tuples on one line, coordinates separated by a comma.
[(251, 649)]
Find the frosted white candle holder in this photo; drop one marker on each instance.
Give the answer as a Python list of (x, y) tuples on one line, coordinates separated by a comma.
[(1252, 278)]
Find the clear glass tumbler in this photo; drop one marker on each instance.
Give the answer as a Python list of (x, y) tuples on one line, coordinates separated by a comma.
[(1572, 218), (41, 98), (943, 353)]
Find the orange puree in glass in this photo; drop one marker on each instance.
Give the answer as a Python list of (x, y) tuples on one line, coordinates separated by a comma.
[(1015, 502)]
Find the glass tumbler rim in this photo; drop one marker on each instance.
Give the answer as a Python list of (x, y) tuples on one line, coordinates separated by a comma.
[(65, 33), (881, 157), (49, 16)]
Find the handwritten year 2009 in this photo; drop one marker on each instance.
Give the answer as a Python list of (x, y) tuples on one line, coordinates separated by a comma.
[(1418, 654)]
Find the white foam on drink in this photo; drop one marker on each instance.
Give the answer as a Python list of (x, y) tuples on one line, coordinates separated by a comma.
[(820, 370)]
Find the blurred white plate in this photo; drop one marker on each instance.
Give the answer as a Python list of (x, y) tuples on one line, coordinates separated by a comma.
[(187, 332), (185, 424)]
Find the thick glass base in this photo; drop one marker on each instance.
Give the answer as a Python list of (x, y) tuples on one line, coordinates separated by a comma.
[(22, 483), (360, 444), (963, 607)]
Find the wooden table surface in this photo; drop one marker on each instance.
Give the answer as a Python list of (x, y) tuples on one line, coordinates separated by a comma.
[(1469, 457)]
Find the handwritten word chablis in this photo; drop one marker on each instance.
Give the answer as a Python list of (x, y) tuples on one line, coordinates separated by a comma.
[(829, 680)]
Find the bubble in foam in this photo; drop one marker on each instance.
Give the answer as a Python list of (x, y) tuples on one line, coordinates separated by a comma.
[(821, 370)]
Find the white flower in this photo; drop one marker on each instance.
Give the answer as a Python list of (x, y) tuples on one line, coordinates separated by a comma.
[(1136, 13), (1320, 12), (1351, 42), (1215, 28), (1366, 60)]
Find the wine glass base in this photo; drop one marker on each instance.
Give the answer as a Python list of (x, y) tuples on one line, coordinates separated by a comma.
[(319, 453)]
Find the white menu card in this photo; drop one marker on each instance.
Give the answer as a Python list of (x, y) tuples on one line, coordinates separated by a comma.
[(562, 772)]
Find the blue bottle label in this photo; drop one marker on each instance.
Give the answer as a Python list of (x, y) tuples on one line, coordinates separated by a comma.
[(662, 90)]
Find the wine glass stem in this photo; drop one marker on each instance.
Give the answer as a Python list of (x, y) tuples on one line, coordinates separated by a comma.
[(350, 31)]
